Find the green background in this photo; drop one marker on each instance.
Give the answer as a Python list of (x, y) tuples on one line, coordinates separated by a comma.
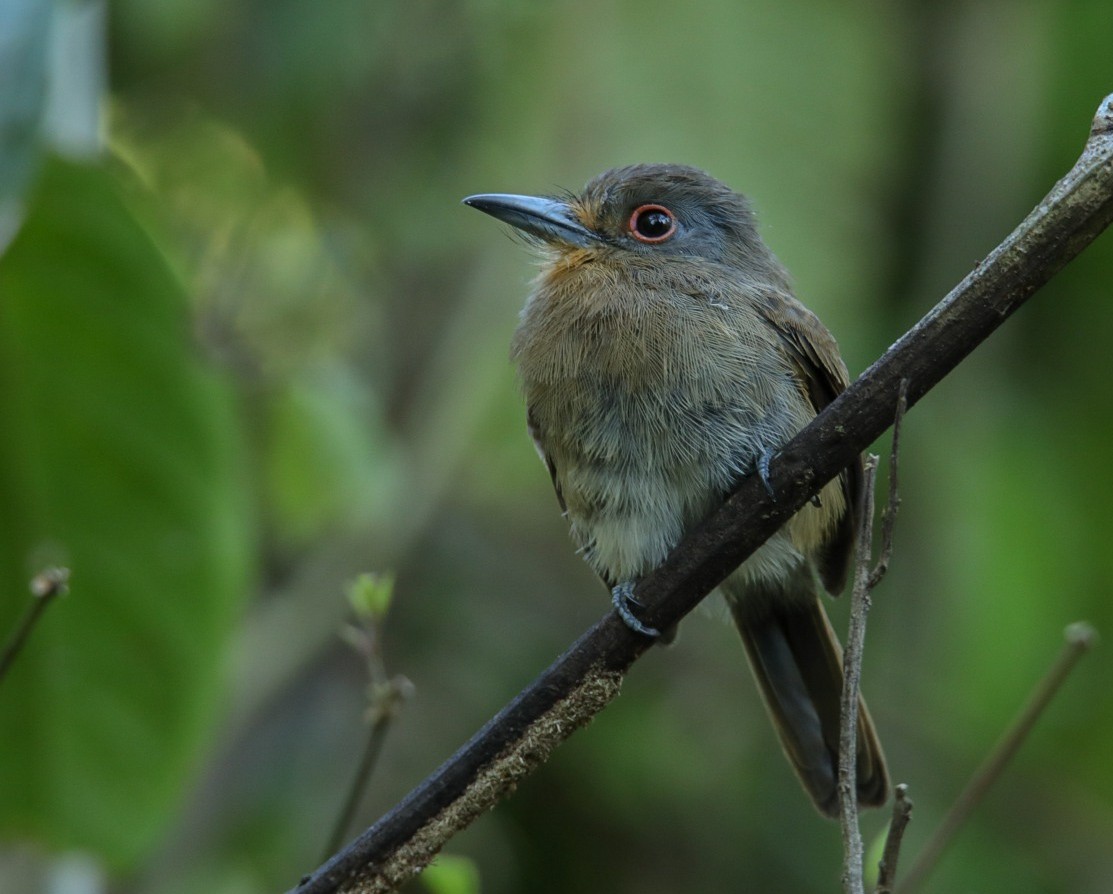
[(259, 347)]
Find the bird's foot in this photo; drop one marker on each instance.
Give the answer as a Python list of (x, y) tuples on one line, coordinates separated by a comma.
[(622, 597), (763, 472)]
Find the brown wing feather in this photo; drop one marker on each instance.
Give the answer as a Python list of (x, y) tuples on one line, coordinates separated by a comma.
[(823, 376), (535, 436)]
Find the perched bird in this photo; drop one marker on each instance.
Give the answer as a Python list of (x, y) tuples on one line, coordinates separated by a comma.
[(663, 358)]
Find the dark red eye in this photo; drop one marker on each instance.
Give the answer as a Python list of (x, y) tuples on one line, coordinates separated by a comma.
[(652, 223)]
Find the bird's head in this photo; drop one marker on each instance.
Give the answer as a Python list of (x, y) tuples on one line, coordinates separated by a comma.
[(648, 210)]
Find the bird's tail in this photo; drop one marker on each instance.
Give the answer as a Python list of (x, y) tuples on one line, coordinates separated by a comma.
[(797, 661)]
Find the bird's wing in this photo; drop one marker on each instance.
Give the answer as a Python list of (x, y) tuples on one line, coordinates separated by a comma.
[(811, 348), (815, 359), (535, 436)]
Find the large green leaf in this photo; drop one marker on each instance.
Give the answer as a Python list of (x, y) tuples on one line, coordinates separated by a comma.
[(119, 457)]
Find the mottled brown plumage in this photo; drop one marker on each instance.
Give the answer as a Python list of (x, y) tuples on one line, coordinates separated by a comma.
[(663, 357)]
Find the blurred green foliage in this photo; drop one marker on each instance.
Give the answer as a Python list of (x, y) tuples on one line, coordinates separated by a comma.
[(258, 348), (122, 461), (451, 875)]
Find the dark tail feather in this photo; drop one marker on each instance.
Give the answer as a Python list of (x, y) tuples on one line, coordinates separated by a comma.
[(797, 661)]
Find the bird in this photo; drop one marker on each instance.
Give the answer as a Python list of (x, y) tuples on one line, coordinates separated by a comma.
[(663, 357)]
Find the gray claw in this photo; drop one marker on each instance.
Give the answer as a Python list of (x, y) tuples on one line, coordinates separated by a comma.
[(763, 473), (622, 597)]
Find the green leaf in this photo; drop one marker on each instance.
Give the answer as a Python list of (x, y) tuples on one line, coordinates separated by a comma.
[(370, 595), (121, 459)]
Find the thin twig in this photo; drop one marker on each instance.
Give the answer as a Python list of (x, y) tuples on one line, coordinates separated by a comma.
[(45, 586), (366, 768), (370, 597), (887, 867), (864, 582), (1080, 637), (889, 516), (852, 672)]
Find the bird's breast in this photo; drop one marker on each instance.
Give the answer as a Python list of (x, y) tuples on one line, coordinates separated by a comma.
[(650, 402), (642, 327)]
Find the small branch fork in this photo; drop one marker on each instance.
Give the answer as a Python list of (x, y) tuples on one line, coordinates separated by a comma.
[(583, 680), (864, 582), (370, 597), (1080, 637)]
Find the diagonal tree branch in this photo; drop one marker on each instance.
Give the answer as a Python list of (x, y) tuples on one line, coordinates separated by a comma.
[(581, 682)]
